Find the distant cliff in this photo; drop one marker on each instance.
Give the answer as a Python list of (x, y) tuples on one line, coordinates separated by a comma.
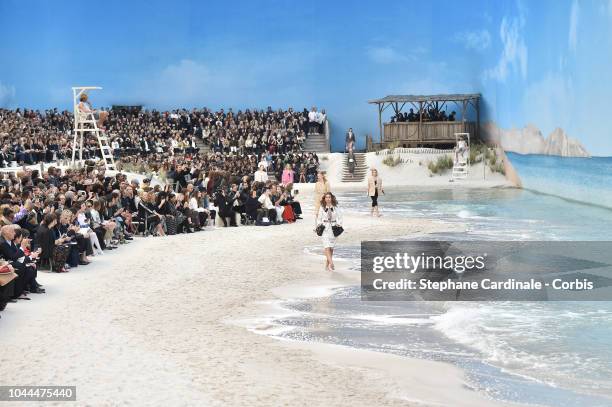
[(529, 140)]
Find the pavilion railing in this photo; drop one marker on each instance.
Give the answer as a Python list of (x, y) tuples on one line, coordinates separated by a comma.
[(414, 133)]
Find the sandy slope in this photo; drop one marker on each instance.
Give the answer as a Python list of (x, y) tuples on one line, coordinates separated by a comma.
[(148, 325), (413, 171)]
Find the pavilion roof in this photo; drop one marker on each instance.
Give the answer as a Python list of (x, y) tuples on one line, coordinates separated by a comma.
[(457, 97)]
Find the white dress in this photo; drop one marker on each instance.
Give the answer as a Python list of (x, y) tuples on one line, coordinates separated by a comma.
[(329, 216)]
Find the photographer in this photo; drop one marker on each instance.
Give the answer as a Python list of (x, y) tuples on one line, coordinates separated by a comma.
[(224, 202), (237, 199)]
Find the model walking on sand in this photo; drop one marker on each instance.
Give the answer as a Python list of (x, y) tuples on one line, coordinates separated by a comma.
[(329, 217), (321, 188), (375, 187)]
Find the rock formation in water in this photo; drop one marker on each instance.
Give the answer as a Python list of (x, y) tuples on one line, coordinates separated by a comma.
[(529, 140), (559, 143)]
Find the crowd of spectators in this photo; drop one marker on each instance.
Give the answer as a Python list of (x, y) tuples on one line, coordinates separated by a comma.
[(58, 220), (287, 167), (316, 120), (429, 115), (29, 136)]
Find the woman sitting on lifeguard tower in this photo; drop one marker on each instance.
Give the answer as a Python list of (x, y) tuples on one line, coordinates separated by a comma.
[(461, 149), (99, 115)]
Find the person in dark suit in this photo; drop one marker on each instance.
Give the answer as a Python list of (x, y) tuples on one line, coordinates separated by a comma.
[(22, 264), (45, 239), (349, 140), (224, 202), (7, 288), (145, 146)]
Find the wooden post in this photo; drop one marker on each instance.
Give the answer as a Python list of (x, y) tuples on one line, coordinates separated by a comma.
[(380, 123), (463, 110), (420, 121), (478, 118)]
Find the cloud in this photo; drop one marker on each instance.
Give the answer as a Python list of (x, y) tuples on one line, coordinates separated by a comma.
[(573, 26), (425, 86), (7, 93), (237, 79), (186, 78), (478, 40), (386, 55), (514, 54), (185, 82)]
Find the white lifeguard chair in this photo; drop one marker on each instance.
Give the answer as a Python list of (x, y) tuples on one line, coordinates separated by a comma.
[(461, 156), (86, 123)]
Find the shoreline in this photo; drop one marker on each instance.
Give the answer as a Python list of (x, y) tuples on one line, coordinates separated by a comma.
[(410, 379), (323, 348), (154, 315)]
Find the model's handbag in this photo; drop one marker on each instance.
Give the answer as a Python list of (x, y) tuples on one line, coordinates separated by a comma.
[(320, 229), (337, 230)]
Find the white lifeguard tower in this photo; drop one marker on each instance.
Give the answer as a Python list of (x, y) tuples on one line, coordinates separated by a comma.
[(461, 159), (86, 123)]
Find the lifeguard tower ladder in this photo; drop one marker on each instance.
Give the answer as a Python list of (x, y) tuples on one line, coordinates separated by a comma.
[(86, 123), (461, 166)]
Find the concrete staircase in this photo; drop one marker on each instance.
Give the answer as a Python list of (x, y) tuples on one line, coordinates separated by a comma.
[(361, 168), (204, 148), (317, 143)]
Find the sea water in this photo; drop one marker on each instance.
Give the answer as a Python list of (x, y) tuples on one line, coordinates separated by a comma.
[(543, 353), (581, 179)]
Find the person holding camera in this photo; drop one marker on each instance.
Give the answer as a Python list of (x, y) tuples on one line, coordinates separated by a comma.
[(224, 202)]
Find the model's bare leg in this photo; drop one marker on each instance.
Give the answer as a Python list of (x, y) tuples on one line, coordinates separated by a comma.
[(328, 256)]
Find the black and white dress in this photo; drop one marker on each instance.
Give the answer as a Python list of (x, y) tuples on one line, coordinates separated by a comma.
[(328, 217)]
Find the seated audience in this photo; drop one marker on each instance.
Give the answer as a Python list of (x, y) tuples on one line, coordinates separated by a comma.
[(60, 219)]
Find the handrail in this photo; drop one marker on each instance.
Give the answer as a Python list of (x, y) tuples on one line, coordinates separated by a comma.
[(327, 134)]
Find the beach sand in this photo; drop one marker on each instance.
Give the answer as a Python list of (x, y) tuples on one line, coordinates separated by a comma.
[(161, 321), (413, 171)]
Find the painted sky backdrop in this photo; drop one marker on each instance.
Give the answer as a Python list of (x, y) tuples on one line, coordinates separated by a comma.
[(542, 62)]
